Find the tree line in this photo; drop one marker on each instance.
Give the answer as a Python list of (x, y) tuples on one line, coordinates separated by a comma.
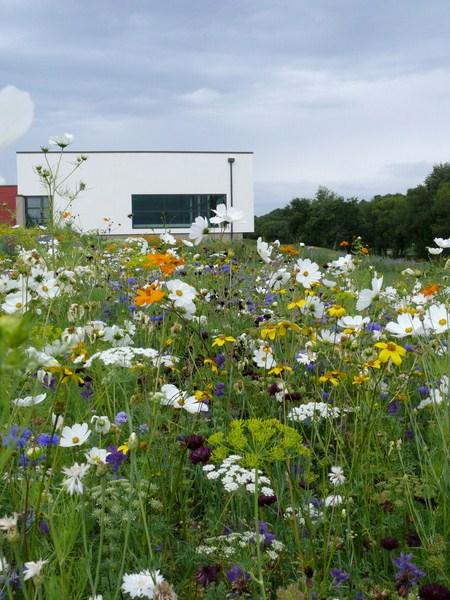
[(392, 224)]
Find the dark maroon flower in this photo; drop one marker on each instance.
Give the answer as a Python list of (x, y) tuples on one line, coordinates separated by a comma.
[(266, 500), (389, 543), (434, 591), (194, 441), (200, 455), (207, 574), (412, 539)]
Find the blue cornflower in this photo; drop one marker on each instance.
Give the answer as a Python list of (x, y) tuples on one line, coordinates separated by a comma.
[(219, 359), (219, 390), (47, 439), (339, 576), (16, 437), (121, 418)]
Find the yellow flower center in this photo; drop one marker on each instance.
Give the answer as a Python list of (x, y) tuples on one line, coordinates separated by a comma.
[(442, 322), (75, 440), (179, 293), (305, 273), (391, 347), (18, 304), (408, 329)]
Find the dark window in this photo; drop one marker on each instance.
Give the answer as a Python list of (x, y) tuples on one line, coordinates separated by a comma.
[(172, 210), (36, 210)]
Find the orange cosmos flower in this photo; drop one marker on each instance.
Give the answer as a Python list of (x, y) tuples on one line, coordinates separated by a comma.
[(149, 294), (430, 290), (289, 250), (167, 262)]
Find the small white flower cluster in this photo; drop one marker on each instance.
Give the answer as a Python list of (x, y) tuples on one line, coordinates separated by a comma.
[(313, 411), (234, 477), (232, 544), (125, 355)]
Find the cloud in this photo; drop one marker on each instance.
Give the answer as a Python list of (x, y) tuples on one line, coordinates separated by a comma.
[(16, 114)]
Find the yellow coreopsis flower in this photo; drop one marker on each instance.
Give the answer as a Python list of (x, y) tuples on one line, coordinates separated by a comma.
[(211, 364), (360, 379), (269, 331), (390, 352), (66, 374), (336, 311), (220, 340), (280, 368), (331, 377), (297, 304)]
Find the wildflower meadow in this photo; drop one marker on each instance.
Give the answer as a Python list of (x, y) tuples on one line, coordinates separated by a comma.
[(212, 419)]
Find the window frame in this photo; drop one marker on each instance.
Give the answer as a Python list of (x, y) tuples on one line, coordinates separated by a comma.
[(199, 205)]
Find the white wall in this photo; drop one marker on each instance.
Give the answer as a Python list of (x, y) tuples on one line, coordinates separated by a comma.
[(112, 177)]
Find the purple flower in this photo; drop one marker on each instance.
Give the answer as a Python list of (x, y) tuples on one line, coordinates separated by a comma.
[(339, 576), (219, 390), (409, 348), (266, 500), (121, 418), (207, 574), (408, 574), (219, 359), (264, 531), (236, 573), (434, 591), (200, 455), (393, 407), (115, 458), (389, 543), (423, 390)]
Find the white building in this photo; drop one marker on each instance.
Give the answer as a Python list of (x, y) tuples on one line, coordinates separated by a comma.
[(141, 192)]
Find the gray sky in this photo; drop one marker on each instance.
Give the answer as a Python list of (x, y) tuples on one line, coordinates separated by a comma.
[(350, 94)]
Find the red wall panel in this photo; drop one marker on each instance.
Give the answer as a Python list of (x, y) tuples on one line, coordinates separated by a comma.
[(8, 195)]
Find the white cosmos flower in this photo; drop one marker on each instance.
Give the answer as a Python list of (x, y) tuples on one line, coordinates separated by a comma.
[(74, 480), (15, 303), (96, 456), (75, 435), (437, 318), (307, 272), (264, 250), (226, 215), (33, 569), (61, 140), (329, 337), (366, 296), (168, 238), (356, 322), (30, 400), (405, 325), (434, 251), (278, 279), (180, 292), (198, 230), (142, 584), (442, 242), (263, 356)]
